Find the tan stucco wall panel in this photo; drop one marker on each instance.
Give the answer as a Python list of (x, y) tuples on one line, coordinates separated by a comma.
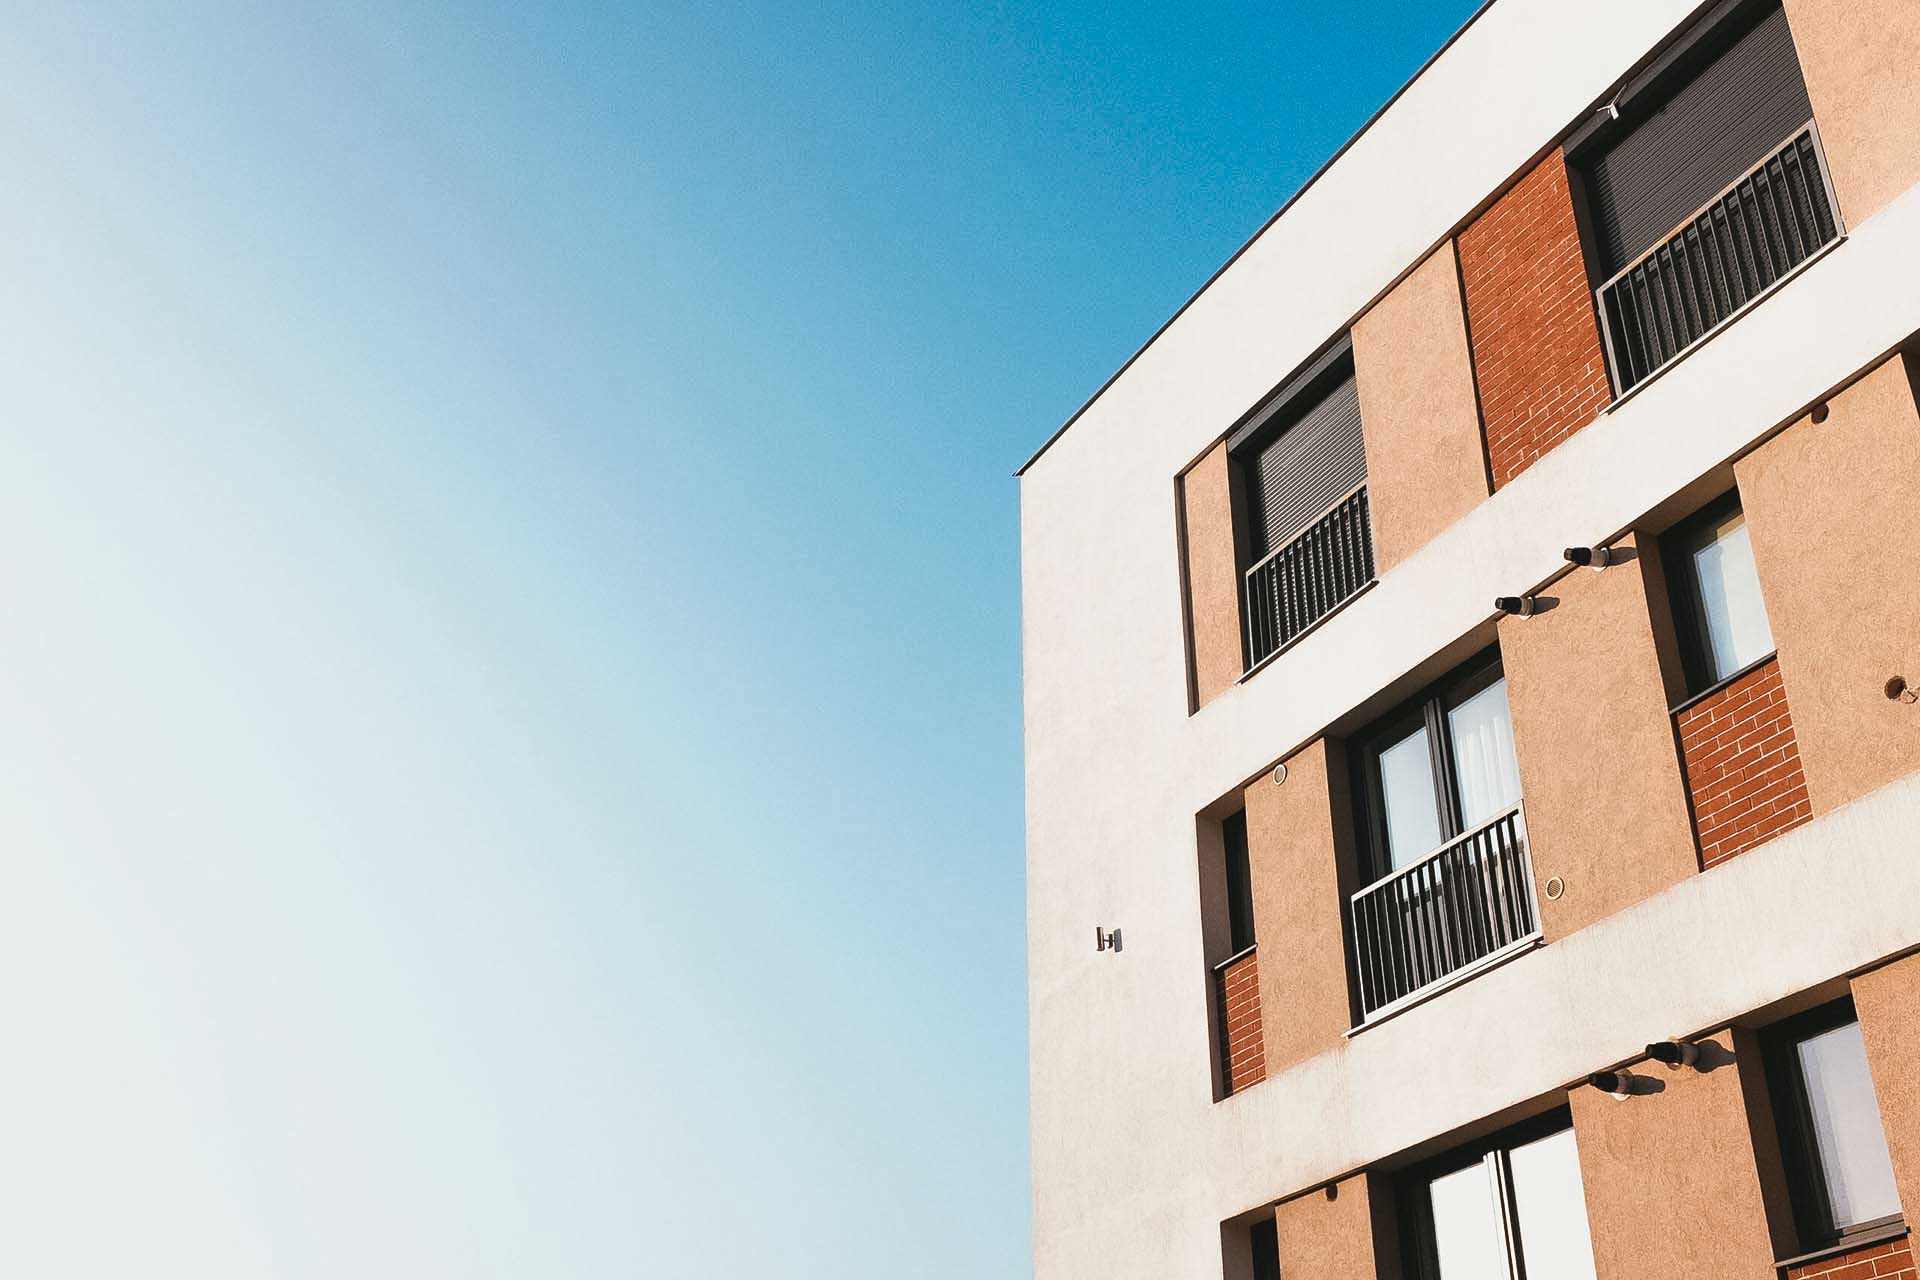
[(1595, 746), (1832, 510), (1294, 857), (1213, 574), (1672, 1181), (1342, 1232), (1888, 1002), (1861, 59), (1426, 466)]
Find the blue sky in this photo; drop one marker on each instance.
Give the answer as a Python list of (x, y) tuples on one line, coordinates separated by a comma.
[(509, 666)]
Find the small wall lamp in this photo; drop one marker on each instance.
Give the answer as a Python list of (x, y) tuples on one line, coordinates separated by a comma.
[(1617, 1083), (1106, 939), (1516, 606), (1674, 1053), (1589, 557)]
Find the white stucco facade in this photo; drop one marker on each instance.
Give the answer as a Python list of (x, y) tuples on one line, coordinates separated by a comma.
[(1134, 1163)]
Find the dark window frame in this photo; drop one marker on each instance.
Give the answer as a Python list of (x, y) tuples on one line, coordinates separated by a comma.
[(1793, 1121), (1306, 387), (1278, 412), (1677, 546), (1241, 934), (1263, 1245), (1646, 92), (1419, 1245), (1427, 709)]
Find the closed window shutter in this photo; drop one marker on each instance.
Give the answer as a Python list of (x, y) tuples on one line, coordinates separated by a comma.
[(1293, 479), (1737, 110)]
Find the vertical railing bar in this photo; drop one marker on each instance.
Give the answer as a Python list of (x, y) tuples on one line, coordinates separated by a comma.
[(1713, 234), (1390, 984), (1364, 957), (1684, 263), (1666, 331), (1410, 924), (1706, 297), (1783, 215), (1435, 917), (1802, 245), (1766, 253), (1476, 880), (1483, 916), (1769, 210), (1460, 948), (1516, 886)]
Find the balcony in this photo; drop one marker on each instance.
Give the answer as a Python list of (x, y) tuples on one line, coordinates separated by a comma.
[(1452, 913), (1722, 259), (1306, 578)]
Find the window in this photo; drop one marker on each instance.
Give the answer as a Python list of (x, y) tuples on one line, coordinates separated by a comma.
[(1704, 186), (1265, 1240), (1836, 1151), (1445, 847), (1238, 1039), (1239, 884), (1441, 766), (1510, 1207), (1717, 606), (1302, 468)]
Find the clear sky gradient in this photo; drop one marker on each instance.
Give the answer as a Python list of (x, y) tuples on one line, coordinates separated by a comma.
[(509, 675)]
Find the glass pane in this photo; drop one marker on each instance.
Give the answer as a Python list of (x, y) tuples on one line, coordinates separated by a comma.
[(1852, 1148), (1467, 1236), (1406, 785), (1731, 611), (1552, 1209), (1483, 755)]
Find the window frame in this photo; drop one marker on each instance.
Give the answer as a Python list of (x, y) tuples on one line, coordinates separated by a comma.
[(1799, 1147), (1645, 93), (1418, 1239), (1241, 932), (1428, 709), (1677, 547), (1278, 412), (1263, 1247)]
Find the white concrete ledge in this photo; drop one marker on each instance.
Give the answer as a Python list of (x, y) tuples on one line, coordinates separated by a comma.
[(1831, 898)]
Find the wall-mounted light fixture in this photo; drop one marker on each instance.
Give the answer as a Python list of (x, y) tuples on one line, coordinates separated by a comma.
[(1674, 1053), (1897, 690), (1516, 606), (1106, 939), (1617, 1083), (1589, 557)]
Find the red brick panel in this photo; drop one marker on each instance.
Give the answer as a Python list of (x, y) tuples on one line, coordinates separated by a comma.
[(1244, 1051), (1892, 1260), (1536, 347), (1742, 766)]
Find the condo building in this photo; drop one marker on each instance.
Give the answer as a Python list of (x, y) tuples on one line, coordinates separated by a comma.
[(1472, 689)]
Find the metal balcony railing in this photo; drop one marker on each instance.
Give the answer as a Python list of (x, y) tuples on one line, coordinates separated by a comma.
[(1465, 903), (1736, 247), (1306, 578)]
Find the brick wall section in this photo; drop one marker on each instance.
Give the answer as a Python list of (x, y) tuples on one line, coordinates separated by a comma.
[(1242, 1045), (1742, 765), (1536, 346), (1892, 1260)]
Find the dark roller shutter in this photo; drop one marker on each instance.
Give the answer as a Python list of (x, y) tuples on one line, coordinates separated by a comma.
[(1313, 463), (1736, 111)]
